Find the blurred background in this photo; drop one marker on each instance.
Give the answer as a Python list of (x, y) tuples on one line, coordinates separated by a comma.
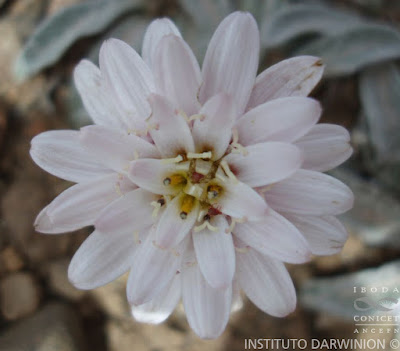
[(43, 40)]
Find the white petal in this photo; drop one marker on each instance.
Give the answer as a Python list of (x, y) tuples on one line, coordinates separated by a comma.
[(239, 200), (159, 309), (171, 228), (275, 236), (128, 77), (101, 258), (96, 98), (266, 283), (150, 173), (79, 205), (216, 254), (207, 309), (152, 270), (177, 73), (114, 147), (231, 61), (325, 146), (265, 163), (310, 193), (172, 134), (296, 76), (154, 33), (131, 213), (60, 153), (326, 235), (214, 132), (285, 119)]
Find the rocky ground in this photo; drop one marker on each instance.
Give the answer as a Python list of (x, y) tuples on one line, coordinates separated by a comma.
[(41, 311)]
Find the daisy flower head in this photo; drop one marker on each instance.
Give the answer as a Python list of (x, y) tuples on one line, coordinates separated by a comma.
[(200, 182)]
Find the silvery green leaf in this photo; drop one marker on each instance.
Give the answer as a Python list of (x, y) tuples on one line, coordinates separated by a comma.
[(375, 216), (352, 50), (336, 296), (380, 98), (205, 15), (308, 18), (56, 34)]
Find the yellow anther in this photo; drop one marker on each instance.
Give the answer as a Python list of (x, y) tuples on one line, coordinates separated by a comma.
[(176, 159), (174, 179), (228, 172), (187, 206), (207, 155), (213, 191)]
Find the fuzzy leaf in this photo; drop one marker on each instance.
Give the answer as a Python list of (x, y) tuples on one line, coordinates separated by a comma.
[(57, 33), (348, 52), (380, 97), (336, 295), (295, 20)]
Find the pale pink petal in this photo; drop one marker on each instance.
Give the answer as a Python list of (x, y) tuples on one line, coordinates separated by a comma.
[(128, 77), (152, 270), (207, 309), (171, 228), (275, 236), (265, 163), (149, 174), (154, 33), (177, 73), (79, 205), (285, 119), (131, 213), (325, 235), (116, 148), (266, 283), (310, 193), (238, 200), (60, 153), (101, 258), (237, 301), (171, 132), (325, 146), (296, 76), (159, 309), (96, 98), (231, 61), (215, 254), (214, 132)]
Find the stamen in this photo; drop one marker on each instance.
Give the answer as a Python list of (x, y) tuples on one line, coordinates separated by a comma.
[(236, 147), (136, 237), (228, 172), (176, 159), (205, 224), (183, 114), (207, 155), (175, 179), (242, 249), (187, 206), (157, 205), (233, 223), (213, 191)]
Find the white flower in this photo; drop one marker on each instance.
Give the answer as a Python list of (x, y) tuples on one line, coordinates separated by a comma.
[(200, 182)]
